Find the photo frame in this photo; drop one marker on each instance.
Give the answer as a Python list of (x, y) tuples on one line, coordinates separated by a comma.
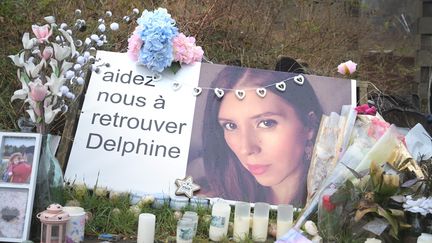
[(19, 157)]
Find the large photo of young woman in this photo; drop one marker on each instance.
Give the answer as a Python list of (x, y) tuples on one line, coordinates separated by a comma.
[(254, 143)]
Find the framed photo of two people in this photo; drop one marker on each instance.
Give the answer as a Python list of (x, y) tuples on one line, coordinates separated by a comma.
[(19, 153), (243, 134)]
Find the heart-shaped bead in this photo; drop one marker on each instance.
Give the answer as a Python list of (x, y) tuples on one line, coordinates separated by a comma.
[(176, 86), (240, 94), (261, 92), (196, 91), (219, 92), (299, 79), (281, 86)]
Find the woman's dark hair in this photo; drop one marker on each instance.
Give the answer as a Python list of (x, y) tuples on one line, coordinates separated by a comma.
[(226, 176)]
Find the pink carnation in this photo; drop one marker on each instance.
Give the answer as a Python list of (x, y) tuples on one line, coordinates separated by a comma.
[(185, 49), (134, 46)]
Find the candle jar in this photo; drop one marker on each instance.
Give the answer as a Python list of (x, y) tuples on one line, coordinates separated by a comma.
[(178, 202), (76, 224), (194, 217), (241, 221), (185, 228), (424, 238), (146, 228), (284, 219), (219, 221), (160, 200), (199, 202), (260, 222)]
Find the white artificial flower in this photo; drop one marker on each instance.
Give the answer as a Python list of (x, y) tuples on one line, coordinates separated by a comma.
[(80, 60), (114, 26), (50, 19), (64, 89), (94, 37), (77, 67), (50, 113), (101, 21), (135, 11), (80, 81), (55, 84), (61, 52), (27, 42), (108, 13), (311, 228), (87, 41), (63, 26), (70, 40), (69, 74), (101, 28), (23, 92), (33, 70), (70, 95), (421, 205), (18, 59)]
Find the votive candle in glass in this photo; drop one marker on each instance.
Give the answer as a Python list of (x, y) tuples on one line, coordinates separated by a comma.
[(260, 222), (178, 202), (184, 230), (160, 199), (146, 228), (241, 221), (219, 221), (284, 219), (194, 217)]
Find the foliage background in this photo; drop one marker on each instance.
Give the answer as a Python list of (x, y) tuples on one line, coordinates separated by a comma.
[(250, 33)]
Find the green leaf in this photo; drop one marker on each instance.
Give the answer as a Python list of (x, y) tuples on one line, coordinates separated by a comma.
[(394, 224), (175, 66), (25, 77)]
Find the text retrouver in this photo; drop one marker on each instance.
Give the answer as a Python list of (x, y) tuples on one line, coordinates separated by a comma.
[(117, 120)]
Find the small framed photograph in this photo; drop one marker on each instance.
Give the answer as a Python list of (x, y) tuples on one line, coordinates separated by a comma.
[(19, 157)]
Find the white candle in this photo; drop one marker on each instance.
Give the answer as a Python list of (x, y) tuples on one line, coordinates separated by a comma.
[(282, 227), (284, 219), (260, 229), (260, 222), (241, 221), (241, 228), (146, 228), (219, 221), (424, 238)]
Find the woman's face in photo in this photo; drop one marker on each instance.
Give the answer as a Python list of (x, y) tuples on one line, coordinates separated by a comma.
[(265, 134), (16, 160)]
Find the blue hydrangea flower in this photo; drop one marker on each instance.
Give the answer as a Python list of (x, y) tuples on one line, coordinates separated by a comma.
[(158, 30)]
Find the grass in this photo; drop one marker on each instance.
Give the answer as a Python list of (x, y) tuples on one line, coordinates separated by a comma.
[(114, 214)]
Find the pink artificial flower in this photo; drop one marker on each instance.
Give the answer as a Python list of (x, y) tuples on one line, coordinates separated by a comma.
[(134, 46), (347, 68), (38, 91), (185, 49), (377, 128), (366, 110), (42, 33), (47, 52)]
